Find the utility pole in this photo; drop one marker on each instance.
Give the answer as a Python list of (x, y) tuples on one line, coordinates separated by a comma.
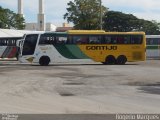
[(101, 14)]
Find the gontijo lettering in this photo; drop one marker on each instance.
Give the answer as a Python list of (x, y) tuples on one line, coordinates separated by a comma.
[(101, 47)]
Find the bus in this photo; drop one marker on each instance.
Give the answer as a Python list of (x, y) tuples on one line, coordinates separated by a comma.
[(153, 46), (8, 47), (83, 45)]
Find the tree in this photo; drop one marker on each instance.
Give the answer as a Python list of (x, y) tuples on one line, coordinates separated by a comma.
[(118, 21), (85, 14), (9, 19)]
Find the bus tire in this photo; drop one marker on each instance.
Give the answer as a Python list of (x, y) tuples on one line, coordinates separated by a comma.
[(110, 60), (121, 60), (44, 61)]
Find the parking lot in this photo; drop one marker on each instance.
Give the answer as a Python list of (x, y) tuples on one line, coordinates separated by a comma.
[(80, 88)]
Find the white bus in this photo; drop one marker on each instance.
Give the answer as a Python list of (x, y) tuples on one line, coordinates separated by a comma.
[(153, 46), (37, 48), (8, 47)]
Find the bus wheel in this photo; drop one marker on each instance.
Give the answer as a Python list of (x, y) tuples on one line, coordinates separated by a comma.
[(121, 60), (44, 61), (110, 60)]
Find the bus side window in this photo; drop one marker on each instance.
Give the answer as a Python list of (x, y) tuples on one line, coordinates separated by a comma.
[(51, 39), (120, 39), (136, 39), (61, 40), (13, 42), (149, 41), (69, 40), (94, 39), (80, 39), (158, 41), (9, 42), (1, 42), (113, 40), (45, 39), (6, 42), (107, 40), (42, 40), (126, 40), (76, 39), (155, 41)]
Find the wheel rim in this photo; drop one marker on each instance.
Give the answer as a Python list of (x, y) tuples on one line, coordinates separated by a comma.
[(121, 60), (110, 60)]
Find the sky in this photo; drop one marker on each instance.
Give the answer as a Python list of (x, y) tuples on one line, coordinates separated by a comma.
[(55, 9)]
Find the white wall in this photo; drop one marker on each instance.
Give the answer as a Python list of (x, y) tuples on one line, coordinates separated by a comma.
[(34, 26)]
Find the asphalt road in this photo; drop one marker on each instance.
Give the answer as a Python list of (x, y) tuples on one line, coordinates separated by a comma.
[(80, 88)]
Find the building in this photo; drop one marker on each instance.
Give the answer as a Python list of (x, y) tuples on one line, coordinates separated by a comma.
[(34, 26), (65, 27), (41, 25)]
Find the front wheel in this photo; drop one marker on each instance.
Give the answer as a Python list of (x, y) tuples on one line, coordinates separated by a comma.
[(44, 61)]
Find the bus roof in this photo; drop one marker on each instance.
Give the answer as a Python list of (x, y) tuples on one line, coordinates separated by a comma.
[(85, 31), (55, 33), (152, 36), (101, 32), (126, 33)]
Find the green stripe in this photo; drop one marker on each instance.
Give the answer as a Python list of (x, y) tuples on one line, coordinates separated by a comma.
[(63, 50), (153, 47), (76, 51), (71, 51)]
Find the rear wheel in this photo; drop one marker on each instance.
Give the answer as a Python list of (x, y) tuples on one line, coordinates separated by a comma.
[(44, 61), (110, 60), (121, 60)]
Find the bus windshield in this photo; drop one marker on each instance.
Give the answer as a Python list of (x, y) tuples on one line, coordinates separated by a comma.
[(30, 44)]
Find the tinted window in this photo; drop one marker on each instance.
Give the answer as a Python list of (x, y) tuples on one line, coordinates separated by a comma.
[(79, 40), (124, 39), (107, 40), (47, 39), (53, 39), (3, 42), (30, 44), (116, 39), (94, 39), (8, 41), (136, 39), (61, 40), (153, 41)]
